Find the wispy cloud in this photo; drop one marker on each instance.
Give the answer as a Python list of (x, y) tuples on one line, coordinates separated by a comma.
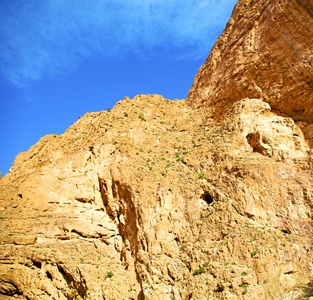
[(51, 37)]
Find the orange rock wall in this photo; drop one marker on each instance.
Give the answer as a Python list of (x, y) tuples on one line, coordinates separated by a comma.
[(266, 52)]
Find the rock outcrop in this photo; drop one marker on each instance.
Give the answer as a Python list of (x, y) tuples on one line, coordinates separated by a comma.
[(266, 52), (160, 199), (153, 201)]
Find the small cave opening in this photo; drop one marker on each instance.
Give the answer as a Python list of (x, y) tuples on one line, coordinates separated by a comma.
[(259, 144), (207, 198), (254, 141), (37, 264)]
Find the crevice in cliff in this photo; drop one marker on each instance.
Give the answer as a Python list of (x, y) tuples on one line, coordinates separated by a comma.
[(263, 9), (49, 275), (118, 201), (105, 198), (127, 226), (120, 208), (78, 286)]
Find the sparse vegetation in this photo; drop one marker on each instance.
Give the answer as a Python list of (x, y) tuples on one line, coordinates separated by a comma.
[(141, 117), (244, 286), (253, 253), (157, 167), (198, 271)]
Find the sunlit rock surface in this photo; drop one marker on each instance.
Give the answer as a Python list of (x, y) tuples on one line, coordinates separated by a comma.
[(266, 52), (205, 198)]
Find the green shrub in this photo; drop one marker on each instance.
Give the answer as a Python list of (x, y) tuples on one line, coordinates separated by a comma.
[(244, 286), (109, 274), (253, 253), (141, 117), (201, 175), (244, 273), (198, 271)]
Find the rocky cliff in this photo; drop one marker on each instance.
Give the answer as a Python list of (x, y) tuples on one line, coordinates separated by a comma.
[(266, 52), (157, 199)]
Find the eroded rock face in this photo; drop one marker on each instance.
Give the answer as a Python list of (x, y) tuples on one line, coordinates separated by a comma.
[(157, 200), (152, 200), (268, 134), (266, 52)]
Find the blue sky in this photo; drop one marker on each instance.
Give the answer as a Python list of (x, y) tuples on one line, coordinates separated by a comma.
[(62, 58)]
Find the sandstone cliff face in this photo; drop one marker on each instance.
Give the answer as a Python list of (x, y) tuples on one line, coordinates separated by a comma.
[(266, 52), (157, 200), (153, 201)]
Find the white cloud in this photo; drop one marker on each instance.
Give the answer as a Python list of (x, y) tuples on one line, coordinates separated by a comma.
[(48, 38)]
